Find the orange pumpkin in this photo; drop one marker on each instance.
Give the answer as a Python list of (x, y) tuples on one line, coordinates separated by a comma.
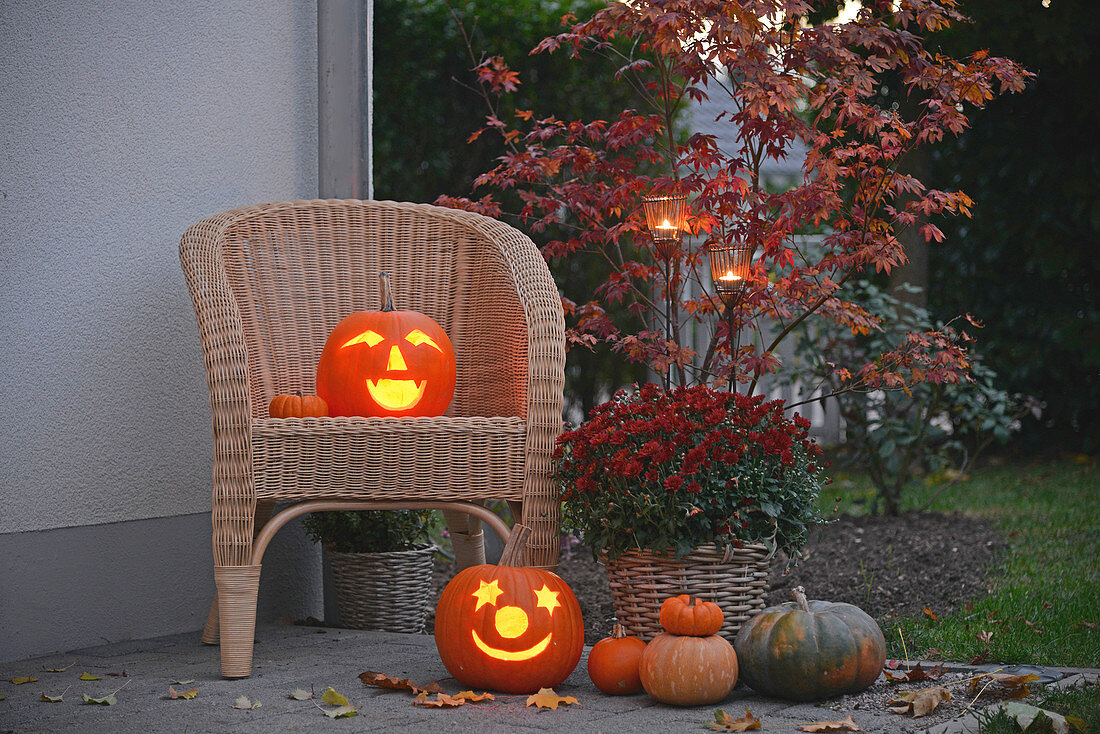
[(387, 363), (613, 663), (688, 615), (509, 628), (689, 669), (684, 670), (297, 406)]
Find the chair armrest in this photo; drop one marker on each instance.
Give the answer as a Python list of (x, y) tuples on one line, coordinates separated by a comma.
[(545, 384), (226, 362)]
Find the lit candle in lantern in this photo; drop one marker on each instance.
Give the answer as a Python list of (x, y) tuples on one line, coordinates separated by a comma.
[(730, 276), (664, 231)]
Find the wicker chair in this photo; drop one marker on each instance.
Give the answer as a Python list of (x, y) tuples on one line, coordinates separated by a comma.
[(269, 283)]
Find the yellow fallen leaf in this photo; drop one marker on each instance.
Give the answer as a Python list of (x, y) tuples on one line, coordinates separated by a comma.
[(342, 712), (51, 699), (58, 670), (186, 695), (242, 702), (546, 698), (919, 703), (23, 679), (725, 722), (89, 676), (828, 726), (332, 698), (471, 696)]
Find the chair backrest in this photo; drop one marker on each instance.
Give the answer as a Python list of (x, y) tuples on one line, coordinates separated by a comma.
[(297, 268)]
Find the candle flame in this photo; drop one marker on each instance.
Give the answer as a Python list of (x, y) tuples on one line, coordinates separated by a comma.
[(666, 224), (730, 275)]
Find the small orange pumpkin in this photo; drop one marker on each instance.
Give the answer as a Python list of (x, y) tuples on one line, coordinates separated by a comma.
[(387, 363), (297, 406), (613, 663), (689, 615), (507, 627)]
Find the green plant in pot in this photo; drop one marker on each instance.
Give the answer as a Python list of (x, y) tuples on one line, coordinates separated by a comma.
[(690, 491), (381, 563)]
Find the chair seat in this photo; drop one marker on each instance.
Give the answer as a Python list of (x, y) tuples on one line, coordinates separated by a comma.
[(422, 459)]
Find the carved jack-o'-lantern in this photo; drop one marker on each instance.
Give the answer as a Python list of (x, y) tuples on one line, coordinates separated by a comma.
[(509, 628), (387, 362)]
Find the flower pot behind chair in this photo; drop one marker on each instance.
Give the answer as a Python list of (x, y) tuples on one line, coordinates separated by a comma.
[(385, 591), (736, 579)]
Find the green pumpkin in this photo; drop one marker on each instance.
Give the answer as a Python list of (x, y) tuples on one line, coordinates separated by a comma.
[(810, 650)]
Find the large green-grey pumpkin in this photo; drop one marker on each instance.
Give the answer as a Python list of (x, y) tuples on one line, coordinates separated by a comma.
[(809, 650)]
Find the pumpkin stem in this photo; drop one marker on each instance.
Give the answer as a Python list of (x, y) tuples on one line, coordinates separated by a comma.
[(298, 393), (384, 290), (799, 594), (618, 631), (513, 549)]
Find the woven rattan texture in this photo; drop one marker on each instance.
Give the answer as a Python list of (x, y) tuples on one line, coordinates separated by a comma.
[(640, 581), (383, 591), (269, 282)]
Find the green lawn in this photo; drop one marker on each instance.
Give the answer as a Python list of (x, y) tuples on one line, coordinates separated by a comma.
[(1050, 515)]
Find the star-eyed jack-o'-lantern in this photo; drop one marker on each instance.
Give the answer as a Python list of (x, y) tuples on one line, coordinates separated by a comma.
[(387, 362), (509, 628)]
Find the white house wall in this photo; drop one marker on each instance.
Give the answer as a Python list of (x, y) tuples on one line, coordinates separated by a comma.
[(121, 124)]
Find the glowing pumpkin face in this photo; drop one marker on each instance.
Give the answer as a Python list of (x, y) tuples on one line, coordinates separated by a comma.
[(509, 628), (388, 362)]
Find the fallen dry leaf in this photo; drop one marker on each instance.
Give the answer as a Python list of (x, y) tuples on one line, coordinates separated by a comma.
[(299, 695), (915, 674), (919, 703), (24, 679), (381, 680), (242, 702), (725, 722), (1016, 685), (441, 701), (89, 676), (58, 670), (342, 712), (51, 699), (102, 701), (980, 657), (183, 682), (827, 726), (930, 614), (473, 697), (546, 698), (332, 698), (186, 695)]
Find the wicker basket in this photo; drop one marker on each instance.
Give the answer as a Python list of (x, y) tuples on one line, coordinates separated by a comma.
[(383, 591), (735, 579)]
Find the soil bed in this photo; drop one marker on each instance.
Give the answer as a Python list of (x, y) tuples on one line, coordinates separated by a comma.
[(887, 566)]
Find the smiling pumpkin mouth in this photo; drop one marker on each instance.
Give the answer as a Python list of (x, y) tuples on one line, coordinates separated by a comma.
[(396, 394), (512, 655)]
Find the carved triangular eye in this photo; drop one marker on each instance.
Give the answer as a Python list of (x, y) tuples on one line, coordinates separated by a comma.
[(371, 338), (417, 337)]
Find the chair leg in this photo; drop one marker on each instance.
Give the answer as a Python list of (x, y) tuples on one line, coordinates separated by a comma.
[(237, 590), (264, 511), (467, 538)]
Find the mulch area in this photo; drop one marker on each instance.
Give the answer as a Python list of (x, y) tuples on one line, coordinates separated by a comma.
[(887, 566)]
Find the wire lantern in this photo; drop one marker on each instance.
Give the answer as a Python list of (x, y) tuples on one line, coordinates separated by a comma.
[(729, 270), (665, 217)]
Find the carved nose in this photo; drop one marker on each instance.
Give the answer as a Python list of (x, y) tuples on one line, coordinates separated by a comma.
[(397, 362), (510, 621)]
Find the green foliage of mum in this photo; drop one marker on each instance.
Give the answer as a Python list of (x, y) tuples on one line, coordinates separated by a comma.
[(370, 531), (669, 471), (1049, 512)]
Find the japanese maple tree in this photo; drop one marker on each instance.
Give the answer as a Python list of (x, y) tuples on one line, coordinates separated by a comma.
[(784, 86)]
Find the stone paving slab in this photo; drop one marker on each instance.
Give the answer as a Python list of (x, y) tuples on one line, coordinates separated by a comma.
[(288, 657)]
